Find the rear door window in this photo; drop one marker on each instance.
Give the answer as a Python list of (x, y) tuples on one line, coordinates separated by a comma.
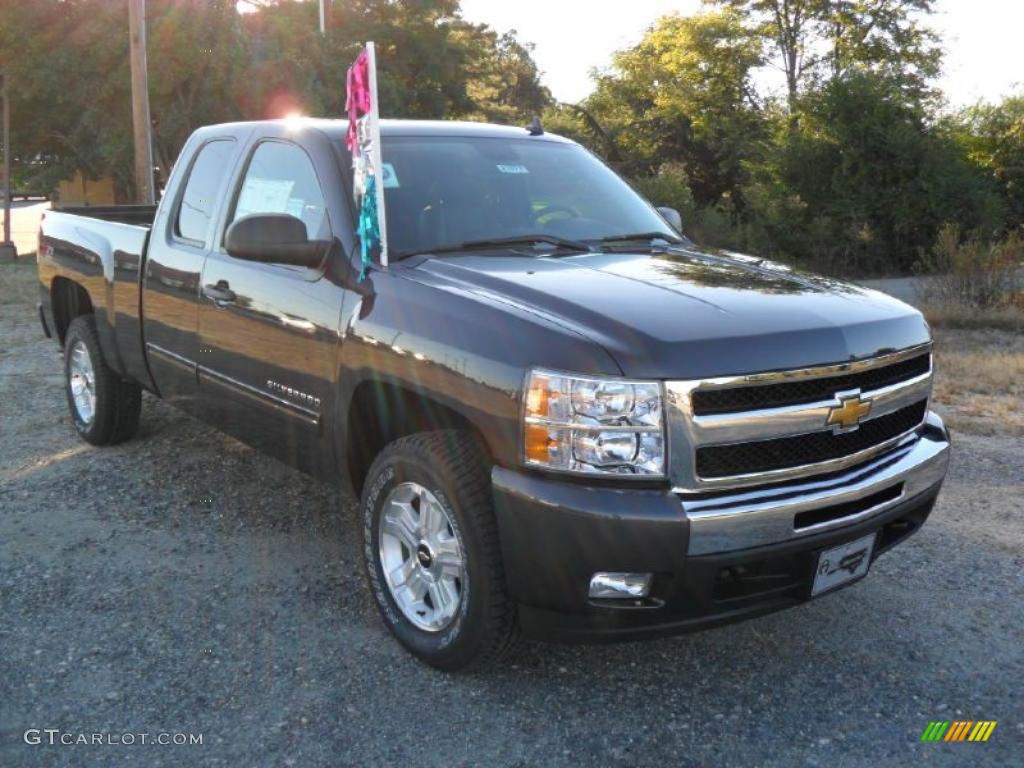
[(199, 201)]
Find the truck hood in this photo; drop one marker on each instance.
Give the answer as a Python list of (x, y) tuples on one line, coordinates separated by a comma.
[(692, 313)]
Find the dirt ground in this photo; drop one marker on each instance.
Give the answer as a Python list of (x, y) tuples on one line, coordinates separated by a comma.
[(183, 583)]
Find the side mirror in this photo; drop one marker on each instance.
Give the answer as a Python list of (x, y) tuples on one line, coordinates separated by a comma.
[(274, 238), (671, 215)]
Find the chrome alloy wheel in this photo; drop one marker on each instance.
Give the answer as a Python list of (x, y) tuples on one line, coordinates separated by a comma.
[(82, 380), (421, 557)]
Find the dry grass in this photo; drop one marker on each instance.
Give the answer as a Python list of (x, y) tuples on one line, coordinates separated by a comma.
[(959, 316), (979, 381), (18, 282)]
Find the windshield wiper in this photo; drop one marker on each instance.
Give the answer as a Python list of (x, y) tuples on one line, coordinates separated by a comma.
[(646, 237), (505, 242)]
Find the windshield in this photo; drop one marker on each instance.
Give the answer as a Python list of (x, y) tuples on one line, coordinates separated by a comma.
[(442, 191)]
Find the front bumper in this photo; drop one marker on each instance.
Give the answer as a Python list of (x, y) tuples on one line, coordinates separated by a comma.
[(716, 558)]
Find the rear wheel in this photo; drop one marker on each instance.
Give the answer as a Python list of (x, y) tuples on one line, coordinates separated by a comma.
[(431, 551), (104, 407)]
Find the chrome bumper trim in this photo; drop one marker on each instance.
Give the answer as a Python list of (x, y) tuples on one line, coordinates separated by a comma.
[(745, 519)]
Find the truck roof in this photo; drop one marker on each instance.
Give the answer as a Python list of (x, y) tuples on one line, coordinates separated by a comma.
[(336, 129)]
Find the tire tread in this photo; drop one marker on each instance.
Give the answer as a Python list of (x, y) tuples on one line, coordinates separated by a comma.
[(118, 402), (459, 456)]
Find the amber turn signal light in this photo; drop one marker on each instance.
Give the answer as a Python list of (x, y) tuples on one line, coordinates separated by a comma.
[(538, 443)]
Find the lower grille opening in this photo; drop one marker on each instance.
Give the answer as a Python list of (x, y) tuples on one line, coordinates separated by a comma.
[(847, 508), (895, 532), (798, 450), (777, 574)]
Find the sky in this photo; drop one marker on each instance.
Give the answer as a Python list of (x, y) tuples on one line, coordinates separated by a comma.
[(983, 39)]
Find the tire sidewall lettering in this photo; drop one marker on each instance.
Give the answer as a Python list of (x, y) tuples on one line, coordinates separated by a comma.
[(369, 540), (452, 632)]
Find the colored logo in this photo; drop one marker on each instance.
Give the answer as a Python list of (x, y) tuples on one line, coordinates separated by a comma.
[(848, 414), (959, 730)]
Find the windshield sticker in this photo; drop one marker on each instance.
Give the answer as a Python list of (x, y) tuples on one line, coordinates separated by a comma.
[(389, 176), (513, 169)]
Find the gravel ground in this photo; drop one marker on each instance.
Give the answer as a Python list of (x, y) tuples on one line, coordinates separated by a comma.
[(154, 587)]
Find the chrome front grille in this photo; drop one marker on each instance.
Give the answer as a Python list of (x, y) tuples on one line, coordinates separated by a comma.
[(807, 390), (799, 450), (741, 431)]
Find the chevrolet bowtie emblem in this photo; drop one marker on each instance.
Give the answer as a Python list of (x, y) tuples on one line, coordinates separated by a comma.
[(849, 413)]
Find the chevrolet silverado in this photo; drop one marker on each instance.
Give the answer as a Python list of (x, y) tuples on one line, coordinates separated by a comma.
[(562, 418)]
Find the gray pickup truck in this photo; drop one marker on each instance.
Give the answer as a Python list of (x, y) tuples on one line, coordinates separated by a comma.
[(561, 416)]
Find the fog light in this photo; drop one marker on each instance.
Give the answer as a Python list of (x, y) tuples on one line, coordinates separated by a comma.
[(621, 585)]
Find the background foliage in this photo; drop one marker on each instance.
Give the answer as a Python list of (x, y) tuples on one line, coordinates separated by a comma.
[(853, 166), (71, 92)]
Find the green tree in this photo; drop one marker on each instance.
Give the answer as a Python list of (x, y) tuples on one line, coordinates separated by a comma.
[(815, 41), (71, 90), (683, 94), (502, 81), (875, 180), (197, 56), (432, 63), (48, 49), (993, 137)]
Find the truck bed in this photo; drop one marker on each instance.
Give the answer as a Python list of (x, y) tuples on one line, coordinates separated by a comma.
[(102, 249), (139, 215)]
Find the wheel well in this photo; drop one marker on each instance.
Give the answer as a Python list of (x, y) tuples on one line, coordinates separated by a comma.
[(69, 300), (380, 413)]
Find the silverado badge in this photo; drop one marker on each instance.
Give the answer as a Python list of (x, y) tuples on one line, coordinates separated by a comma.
[(848, 414)]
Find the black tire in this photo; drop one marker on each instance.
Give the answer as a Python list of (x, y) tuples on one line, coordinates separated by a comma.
[(118, 402), (450, 465)]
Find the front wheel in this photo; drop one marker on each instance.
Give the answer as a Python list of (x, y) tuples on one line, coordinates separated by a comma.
[(431, 551)]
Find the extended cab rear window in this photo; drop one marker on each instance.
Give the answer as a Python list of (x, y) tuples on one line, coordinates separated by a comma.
[(199, 200)]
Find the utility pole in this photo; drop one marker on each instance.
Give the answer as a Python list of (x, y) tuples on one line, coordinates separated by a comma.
[(140, 103), (323, 26), (7, 248)]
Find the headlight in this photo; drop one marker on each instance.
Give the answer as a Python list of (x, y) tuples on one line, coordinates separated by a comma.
[(592, 425)]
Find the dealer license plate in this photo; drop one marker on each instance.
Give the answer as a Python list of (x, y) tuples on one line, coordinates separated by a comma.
[(843, 564)]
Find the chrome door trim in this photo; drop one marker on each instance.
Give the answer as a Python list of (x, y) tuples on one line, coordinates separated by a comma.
[(265, 399), (171, 357)]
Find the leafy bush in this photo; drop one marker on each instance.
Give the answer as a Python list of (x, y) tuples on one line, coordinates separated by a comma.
[(972, 273), (669, 186)]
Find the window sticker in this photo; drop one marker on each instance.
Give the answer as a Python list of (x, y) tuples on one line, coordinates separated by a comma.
[(389, 176), (513, 169), (263, 196)]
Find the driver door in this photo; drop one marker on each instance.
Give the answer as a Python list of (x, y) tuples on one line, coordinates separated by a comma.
[(267, 332)]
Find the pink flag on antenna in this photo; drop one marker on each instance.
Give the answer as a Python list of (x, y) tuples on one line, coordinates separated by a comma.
[(358, 101)]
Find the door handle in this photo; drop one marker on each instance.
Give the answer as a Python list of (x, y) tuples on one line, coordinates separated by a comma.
[(220, 293)]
